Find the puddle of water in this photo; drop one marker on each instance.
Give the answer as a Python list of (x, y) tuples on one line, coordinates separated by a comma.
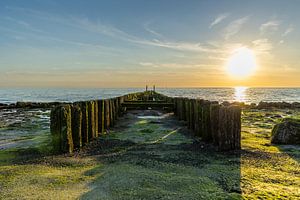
[(151, 117)]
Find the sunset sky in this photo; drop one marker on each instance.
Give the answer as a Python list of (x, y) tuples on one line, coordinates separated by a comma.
[(131, 43)]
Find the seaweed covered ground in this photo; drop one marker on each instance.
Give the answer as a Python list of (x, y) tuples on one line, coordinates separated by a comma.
[(150, 155)]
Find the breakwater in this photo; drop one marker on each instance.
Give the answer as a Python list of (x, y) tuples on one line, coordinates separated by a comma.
[(76, 124)]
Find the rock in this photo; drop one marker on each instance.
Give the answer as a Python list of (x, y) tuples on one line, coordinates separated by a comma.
[(286, 132), (283, 105), (253, 105), (226, 103), (295, 105), (236, 103)]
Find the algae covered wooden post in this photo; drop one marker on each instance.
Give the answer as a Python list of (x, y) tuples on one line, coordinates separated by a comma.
[(206, 125), (91, 122), (111, 112), (55, 128), (96, 121), (196, 117), (85, 121), (100, 113), (214, 118), (192, 114), (107, 113), (76, 126), (229, 135), (61, 129), (235, 112)]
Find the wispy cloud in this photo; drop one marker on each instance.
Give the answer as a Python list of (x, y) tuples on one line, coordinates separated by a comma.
[(119, 34), (150, 30), (183, 66), (113, 32), (288, 31), (219, 19), (234, 27), (262, 46), (181, 46), (269, 27)]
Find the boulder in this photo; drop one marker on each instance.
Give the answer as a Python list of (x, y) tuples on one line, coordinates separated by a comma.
[(286, 132)]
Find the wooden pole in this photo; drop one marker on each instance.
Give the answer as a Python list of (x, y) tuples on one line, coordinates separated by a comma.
[(61, 129), (55, 128), (196, 117), (107, 114), (214, 118), (91, 120), (76, 126), (111, 114), (206, 126), (96, 121), (100, 124), (85, 122)]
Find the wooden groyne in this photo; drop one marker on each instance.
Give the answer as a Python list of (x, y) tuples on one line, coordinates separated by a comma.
[(74, 125)]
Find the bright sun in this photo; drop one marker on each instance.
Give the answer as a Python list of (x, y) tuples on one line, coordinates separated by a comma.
[(241, 63)]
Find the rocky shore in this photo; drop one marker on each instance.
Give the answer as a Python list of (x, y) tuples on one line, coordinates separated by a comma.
[(29, 105), (265, 105), (260, 105)]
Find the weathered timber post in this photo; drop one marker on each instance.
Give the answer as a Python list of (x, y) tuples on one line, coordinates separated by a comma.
[(120, 110), (214, 118), (186, 110), (235, 126), (175, 106), (106, 114), (96, 118), (192, 111), (100, 116), (85, 121), (206, 126), (76, 126), (61, 129), (55, 128), (178, 108), (229, 128), (181, 108), (196, 117), (116, 108), (91, 119), (200, 117), (111, 114), (115, 105)]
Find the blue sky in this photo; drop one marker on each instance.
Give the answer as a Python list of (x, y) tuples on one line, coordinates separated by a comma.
[(130, 43)]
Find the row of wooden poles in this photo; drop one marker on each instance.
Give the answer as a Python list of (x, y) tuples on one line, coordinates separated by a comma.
[(211, 121), (76, 124)]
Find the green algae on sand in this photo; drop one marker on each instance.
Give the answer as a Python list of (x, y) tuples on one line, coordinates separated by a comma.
[(156, 158)]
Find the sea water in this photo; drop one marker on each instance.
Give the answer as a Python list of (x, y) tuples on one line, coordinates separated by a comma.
[(243, 94)]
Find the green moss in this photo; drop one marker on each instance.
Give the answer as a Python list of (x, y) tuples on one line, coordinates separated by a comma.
[(157, 159), (43, 181), (268, 171)]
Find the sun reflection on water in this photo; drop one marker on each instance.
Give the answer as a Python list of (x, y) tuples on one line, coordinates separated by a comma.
[(240, 94)]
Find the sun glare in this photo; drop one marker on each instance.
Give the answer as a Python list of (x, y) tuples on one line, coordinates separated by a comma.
[(241, 63), (240, 94)]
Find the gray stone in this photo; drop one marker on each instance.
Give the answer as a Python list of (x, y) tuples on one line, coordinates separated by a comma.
[(286, 132)]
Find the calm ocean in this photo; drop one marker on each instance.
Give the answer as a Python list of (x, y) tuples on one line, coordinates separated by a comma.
[(247, 95)]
